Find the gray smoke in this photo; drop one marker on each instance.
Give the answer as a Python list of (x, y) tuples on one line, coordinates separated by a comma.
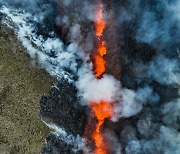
[(165, 70), (153, 123), (152, 24), (155, 22)]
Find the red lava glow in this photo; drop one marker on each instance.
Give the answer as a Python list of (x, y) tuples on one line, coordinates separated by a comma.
[(99, 62), (100, 23), (102, 110)]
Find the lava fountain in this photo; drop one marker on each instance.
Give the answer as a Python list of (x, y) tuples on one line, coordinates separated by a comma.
[(103, 109)]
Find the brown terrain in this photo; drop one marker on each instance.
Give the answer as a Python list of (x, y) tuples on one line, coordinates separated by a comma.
[(21, 86)]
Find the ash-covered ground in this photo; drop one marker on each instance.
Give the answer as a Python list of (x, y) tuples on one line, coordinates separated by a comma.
[(143, 38)]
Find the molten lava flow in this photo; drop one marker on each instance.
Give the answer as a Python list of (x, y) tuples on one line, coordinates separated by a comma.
[(99, 62), (103, 109), (100, 23)]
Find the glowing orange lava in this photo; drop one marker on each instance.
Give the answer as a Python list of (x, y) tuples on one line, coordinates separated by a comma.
[(103, 109), (100, 23), (99, 62)]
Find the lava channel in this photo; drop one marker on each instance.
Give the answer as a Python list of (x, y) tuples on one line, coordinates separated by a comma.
[(103, 109)]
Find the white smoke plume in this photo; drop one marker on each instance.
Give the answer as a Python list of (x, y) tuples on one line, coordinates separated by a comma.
[(156, 126), (94, 90), (42, 47), (129, 102), (132, 102)]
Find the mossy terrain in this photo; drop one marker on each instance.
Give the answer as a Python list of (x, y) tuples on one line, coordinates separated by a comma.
[(21, 87)]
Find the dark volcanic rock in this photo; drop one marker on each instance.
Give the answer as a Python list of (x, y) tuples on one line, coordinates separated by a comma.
[(61, 106), (55, 145)]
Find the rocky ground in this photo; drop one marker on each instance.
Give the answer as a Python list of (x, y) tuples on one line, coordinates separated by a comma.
[(21, 86)]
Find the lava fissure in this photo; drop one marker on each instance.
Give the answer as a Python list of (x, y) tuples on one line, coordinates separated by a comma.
[(103, 109), (99, 61)]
